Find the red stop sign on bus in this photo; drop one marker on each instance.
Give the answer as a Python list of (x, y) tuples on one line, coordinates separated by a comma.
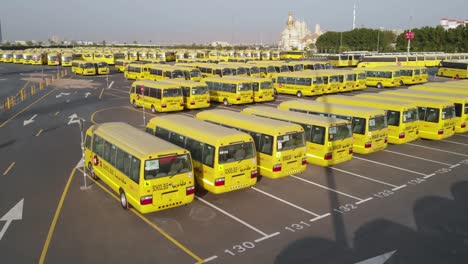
[(409, 35), (142, 89)]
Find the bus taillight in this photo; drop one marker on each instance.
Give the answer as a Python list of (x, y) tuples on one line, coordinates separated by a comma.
[(463, 125), (182, 104), (253, 174), (304, 161), (368, 144), (163, 105), (238, 98), (386, 140), (401, 136), (351, 151), (261, 96), (276, 167), (440, 132), (192, 103), (219, 182), (144, 200), (328, 156), (190, 190)]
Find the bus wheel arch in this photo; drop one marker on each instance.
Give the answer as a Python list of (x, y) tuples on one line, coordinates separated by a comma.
[(123, 199), (299, 94), (379, 85), (402, 83), (225, 102), (91, 172), (135, 104)]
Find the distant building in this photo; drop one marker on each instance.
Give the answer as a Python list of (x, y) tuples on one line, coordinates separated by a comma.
[(223, 44), (296, 35), (452, 23)]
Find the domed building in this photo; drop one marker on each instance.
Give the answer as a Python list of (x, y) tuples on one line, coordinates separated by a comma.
[(296, 35)]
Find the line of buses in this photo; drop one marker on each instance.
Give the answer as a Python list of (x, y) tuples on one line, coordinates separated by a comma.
[(222, 151)]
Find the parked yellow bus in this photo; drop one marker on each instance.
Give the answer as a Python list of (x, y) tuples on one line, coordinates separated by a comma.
[(88, 56), (196, 94), (436, 117), (224, 159), (211, 69), (102, 67), (280, 145), (191, 73), (83, 67), (158, 72), (369, 125), (292, 55), (157, 96), (265, 55), (344, 60), (303, 83), (236, 69), (460, 102), (39, 59), (347, 79), (18, 57), (27, 58), (262, 88), (167, 56), (383, 77), (361, 79), (67, 59), (453, 69), (228, 90), (402, 117), (6, 57), (136, 71), (275, 55), (148, 173), (120, 65), (108, 57), (329, 141), (332, 81)]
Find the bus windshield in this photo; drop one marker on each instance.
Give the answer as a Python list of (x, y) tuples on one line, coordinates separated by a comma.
[(362, 76), (241, 71), (200, 90), (377, 123), (396, 74), (88, 66), (172, 92), (448, 112), (410, 115), (227, 71), (195, 73), (178, 74), (406, 73), (290, 141), (266, 85), (254, 70), (245, 87), (340, 132), (167, 166), (102, 64), (236, 152)]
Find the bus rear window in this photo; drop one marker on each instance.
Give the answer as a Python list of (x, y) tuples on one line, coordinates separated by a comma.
[(339, 132), (359, 125), (290, 141), (167, 166), (410, 115), (245, 87), (377, 123), (266, 85), (200, 90), (236, 152), (448, 112)]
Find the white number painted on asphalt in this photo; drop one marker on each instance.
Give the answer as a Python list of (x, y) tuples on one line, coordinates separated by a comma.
[(299, 226), (444, 170), (345, 208), (465, 162), (240, 248), (417, 181), (384, 193)]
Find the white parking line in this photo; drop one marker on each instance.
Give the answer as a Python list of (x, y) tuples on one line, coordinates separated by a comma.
[(454, 142), (319, 217), (365, 200), (266, 237), (209, 259), (454, 166), (228, 108), (430, 175), (390, 166), (360, 176), (286, 202), (399, 187), (187, 114), (110, 85), (419, 158), (321, 186), (269, 104), (441, 150), (465, 136), (231, 216)]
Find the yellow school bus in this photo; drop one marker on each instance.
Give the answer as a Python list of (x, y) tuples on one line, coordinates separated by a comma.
[(27, 58), (402, 117), (346, 79), (88, 56), (369, 125), (460, 102), (236, 69), (262, 88), (211, 69), (292, 55), (329, 141), (133, 55), (303, 83), (344, 60), (136, 71), (280, 145), (157, 72), (6, 57), (224, 159), (252, 70), (453, 69), (383, 77), (411, 74), (67, 59), (83, 67), (361, 79), (229, 90), (108, 57), (102, 67), (196, 94), (157, 96), (436, 117), (332, 81), (275, 55), (190, 73), (120, 65), (167, 56), (266, 55), (39, 59), (18, 57), (148, 173)]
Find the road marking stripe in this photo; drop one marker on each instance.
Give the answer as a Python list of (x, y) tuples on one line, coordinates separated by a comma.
[(110, 85), (39, 133), (316, 184), (414, 157), (209, 259), (54, 220), (26, 108), (104, 109), (399, 187), (102, 92), (428, 176), (154, 226), (9, 168), (454, 142), (231, 216), (357, 175), (365, 200), (466, 136), (390, 166), (274, 105), (286, 202), (454, 166), (446, 151), (319, 217), (56, 113), (266, 237)]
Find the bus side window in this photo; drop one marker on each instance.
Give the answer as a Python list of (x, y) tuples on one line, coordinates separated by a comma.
[(147, 91), (149, 131), (208, 154), (135, 171), (107, 151), (422, 113), (177, 139), (88, 142), (119, 160), (196, 149), (266, 143), (162, 133), (152, 92), (158, 94), (98, 145)]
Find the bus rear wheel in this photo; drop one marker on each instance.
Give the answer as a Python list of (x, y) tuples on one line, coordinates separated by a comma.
[(225, 102), (91, 172), (135, 104), (299, 94), (123, 200), (153, 110), (401, 83), (379, 86)]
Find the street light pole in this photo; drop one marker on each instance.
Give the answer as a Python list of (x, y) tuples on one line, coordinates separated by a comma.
[(81, 123), (378, 40)]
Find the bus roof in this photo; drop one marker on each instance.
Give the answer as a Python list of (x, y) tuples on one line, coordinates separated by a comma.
[(381, 101), (248, 122), (154, 84), (305, 73), (197, 129), (295, 117), (183, 82), (131, 139), (436, 95), (412, 99), (326, 107)]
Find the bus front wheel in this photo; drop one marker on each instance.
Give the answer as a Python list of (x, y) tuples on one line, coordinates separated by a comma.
[(153, 110), (225, 102), (91, 172), (379, 85), (123, 200), (299, 94)]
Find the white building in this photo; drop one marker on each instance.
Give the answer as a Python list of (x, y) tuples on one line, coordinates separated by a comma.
[(222, 44), (296, 35), (452, 23)]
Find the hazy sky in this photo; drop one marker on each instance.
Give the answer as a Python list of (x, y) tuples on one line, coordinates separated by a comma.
[(188, 21)]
